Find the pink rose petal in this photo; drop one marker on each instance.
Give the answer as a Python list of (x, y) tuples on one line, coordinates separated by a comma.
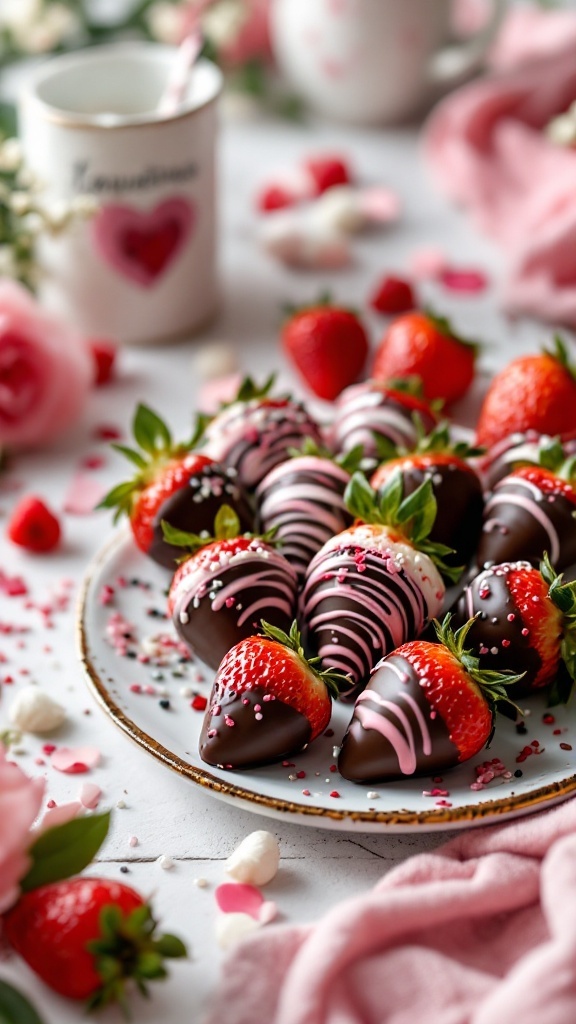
[(472, 281), (59, 815), (238, 898), (379, 204), (83, 494), (89, 795), (268, 911), (428, 263), (217, 391), (12, 586), (75, 761)]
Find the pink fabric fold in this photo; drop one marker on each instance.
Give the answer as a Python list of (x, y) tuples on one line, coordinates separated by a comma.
[(487, 146), (481, 932)]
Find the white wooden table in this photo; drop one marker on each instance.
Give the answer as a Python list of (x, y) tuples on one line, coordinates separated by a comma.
[(167, 814)]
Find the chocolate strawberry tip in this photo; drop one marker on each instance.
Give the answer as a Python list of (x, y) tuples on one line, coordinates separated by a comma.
[(128, 948)]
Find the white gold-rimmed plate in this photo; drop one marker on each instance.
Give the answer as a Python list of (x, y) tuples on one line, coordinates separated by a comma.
[(308, 790)]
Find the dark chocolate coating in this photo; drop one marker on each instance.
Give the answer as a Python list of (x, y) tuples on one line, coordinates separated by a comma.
[(193, 508), (512, 532), (367, 756), (210, 634), (460, 505), (280, 732), (492, 627)]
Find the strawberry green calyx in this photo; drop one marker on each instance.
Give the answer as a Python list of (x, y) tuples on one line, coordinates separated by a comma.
[(129, 948), (411, 384), (249, 390), (444, 326), (563, 595), (226, 527), (437, 442), (350, 461), (552, 456), (333, 680), (325, 300), (412, 516), (155, 448), (493, 684), (559, 352)]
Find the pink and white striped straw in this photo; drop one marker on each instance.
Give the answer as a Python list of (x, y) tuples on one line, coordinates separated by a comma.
[(187, 55)]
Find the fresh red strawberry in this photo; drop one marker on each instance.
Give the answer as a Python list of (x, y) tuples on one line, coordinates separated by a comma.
[(427, 707), (267, 702), (524, 620), (425, 346), (327, 171), (327, 345), (86, 936), (532, 510), (172, 484), (376, 417), (536, 392), (256, 432), (456, 486), (104, 356), (377, 584), (33, 526), (392, 296), (220, 592)]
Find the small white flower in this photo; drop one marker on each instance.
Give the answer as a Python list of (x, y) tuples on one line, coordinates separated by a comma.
[(18, 15), (222, 22), (47, 30), (20, 203), (165, 22), (84, 205), (10, 155), (562, 130)]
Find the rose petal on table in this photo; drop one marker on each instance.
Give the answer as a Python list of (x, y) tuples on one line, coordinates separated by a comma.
[(427, 263), (231, 928), (12, 586), (74, 761), (213, 393), (59, 815), (268, 911), (89, 795), (379, 204), (472, 281), (83, 494), (239, 898)]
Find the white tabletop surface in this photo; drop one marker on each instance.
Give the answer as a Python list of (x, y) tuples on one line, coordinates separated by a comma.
[(169, 815)]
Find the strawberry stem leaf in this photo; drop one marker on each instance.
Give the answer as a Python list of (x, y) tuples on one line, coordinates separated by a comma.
[(333, 680), (65, 850), (14, 1008), (493, 684), (150, 432)]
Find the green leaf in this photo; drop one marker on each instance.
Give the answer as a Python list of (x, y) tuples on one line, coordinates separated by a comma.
[(170, 946), (14, 1008), (201, 422), (65, 850), (249, 390), (131, 454), (360, 498), (274, 633), (183, 539), (118, 496), (226, 523), (150, 432)]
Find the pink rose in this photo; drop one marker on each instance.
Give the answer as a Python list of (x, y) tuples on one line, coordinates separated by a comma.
[(252, 41), (20, 799), (46, 371)]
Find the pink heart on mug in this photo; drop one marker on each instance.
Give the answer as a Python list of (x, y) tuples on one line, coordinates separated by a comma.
[(142, 244)]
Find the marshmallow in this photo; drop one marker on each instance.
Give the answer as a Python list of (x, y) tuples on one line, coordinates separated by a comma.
[(256, 860), (32, 710)]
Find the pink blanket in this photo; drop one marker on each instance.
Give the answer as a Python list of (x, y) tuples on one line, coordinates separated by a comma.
[(481, 932), (487, 146)]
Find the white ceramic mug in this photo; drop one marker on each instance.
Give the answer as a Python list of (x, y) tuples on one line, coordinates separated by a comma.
[(373, 61), (143, 269)]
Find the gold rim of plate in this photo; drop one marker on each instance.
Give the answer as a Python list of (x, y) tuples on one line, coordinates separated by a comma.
[(489, 811)]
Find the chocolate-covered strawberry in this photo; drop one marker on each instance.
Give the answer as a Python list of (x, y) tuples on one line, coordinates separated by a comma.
[(516, 450), (456, 485), (524, 621), (377, 415), (172, 484), (530, 511), (427, 708), (302, 500), (219, 594), (256, 432), (376, 585), (268, 702)]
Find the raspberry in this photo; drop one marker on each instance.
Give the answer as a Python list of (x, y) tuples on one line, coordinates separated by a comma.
[(33, 526), (393, 295), (275, 197), (327, 172)]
